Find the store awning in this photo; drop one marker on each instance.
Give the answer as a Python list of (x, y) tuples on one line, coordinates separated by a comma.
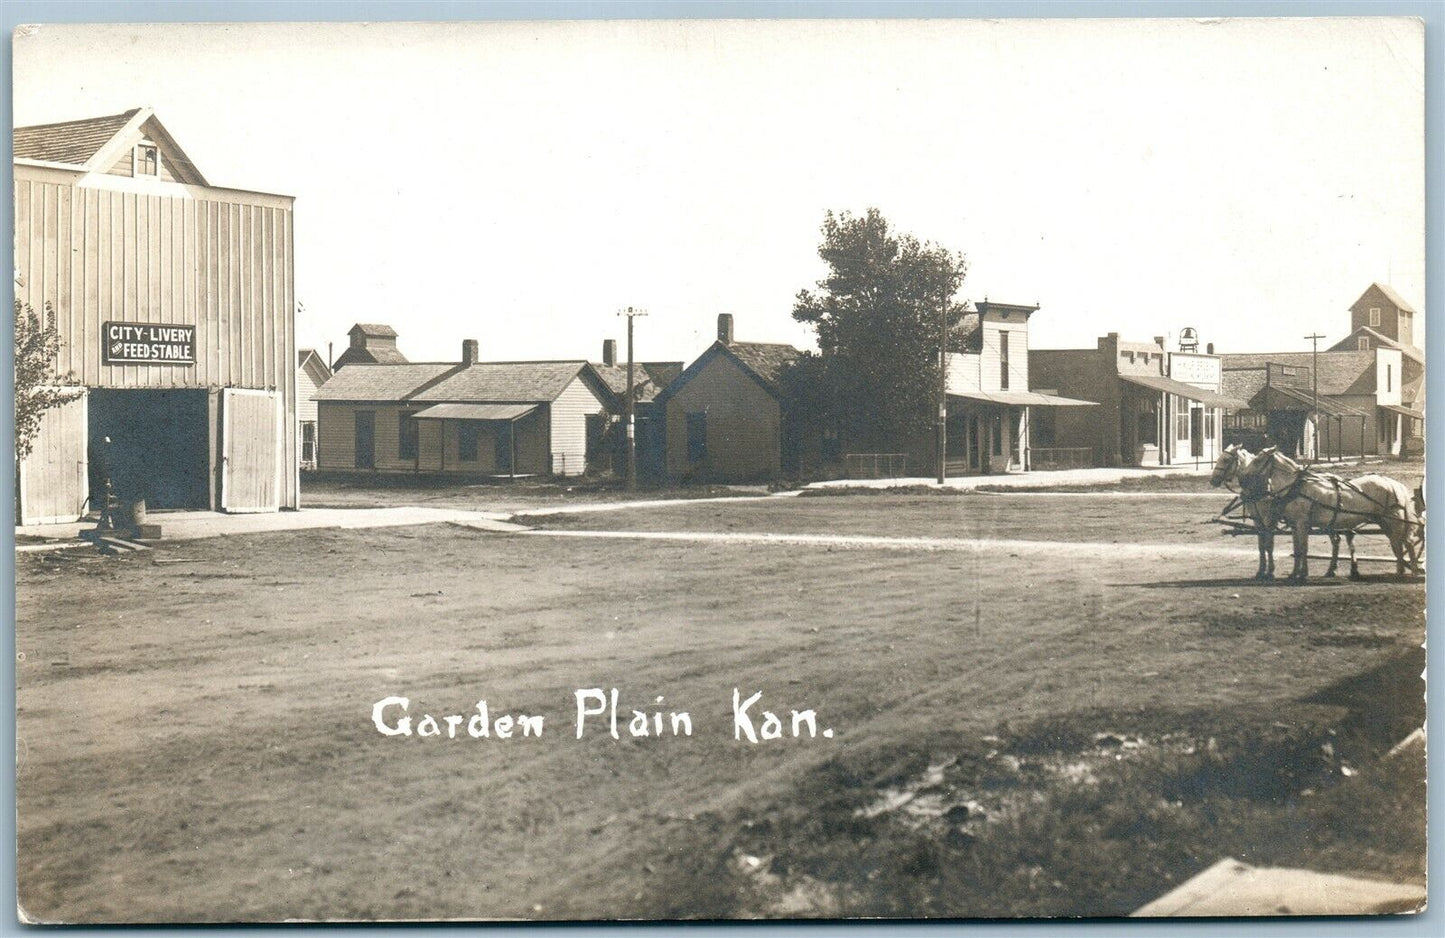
[(1397, 409), (1180, 389), (1021, 398), (475, 411)]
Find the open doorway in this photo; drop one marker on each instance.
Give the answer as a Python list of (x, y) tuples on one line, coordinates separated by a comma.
[(158, 449)]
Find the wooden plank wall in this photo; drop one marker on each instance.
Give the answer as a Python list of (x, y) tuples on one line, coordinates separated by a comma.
[(221, 260)]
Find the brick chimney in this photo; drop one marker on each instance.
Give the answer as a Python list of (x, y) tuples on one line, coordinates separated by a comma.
[(725, 328), (469, 351), (609, 352)]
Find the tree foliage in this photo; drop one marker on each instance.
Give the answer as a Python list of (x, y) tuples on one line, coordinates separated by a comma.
[(877, 317), (38, 387)]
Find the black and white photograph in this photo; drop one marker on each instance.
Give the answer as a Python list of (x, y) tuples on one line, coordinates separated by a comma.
[(720, 469)]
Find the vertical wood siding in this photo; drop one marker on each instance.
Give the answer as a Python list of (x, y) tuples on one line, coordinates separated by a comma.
[(569, 427), (53, 480), (99, 254)]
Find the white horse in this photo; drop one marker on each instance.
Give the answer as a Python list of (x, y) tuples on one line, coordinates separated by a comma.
[(1306, 499), (1230, 467)]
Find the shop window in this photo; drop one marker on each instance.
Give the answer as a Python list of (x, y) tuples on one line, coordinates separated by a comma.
[(1146, 429), (467, 433), (697, 436), (1181, 425), (406, 443), (1209, 423)]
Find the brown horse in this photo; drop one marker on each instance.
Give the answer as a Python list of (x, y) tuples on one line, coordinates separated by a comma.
[(1306, 499)]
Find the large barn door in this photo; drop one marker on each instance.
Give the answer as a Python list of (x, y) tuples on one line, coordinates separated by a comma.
[(251, 448), (54, 480)]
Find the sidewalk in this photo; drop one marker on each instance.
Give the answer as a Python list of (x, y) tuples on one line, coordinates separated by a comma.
[(1037, 479), (191, 525)]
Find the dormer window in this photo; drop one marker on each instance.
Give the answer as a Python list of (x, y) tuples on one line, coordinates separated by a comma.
[(147, 160)]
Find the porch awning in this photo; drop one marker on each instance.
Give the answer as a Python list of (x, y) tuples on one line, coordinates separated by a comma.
[(1189, 391), (1021, 398), (475, 411), (1397, 409), (1283, 397)]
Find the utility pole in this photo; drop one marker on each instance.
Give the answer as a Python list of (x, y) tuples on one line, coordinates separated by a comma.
[(631, 313), (1315, 391), (943, 390)]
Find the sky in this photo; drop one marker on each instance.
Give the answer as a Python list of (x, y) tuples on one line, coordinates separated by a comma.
[(519, 183)]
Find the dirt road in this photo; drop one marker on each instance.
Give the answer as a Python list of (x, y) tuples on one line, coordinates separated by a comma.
[(196, 739)]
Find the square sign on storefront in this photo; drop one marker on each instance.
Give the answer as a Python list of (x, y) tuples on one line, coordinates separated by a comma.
[(142, 343)]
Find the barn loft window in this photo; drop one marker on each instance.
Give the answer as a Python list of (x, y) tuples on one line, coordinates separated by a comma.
[(1374, 315), (147, 160)]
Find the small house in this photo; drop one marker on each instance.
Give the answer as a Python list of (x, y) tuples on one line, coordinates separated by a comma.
[(467, 418), (723, 414)]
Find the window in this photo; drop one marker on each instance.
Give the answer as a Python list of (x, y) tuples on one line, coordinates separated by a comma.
[(998, 434), (147, 160), (1146, 425), (1375, 316), (1389, 378), (406, 436), (467, 432), (1003, 361), (308, 442), (1364, 343), (1209, 417), (1181, 425), (697, 436)]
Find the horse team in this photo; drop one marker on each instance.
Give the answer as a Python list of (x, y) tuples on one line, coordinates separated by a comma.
[(1276, 491)]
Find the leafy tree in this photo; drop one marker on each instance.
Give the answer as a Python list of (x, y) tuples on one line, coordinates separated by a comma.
[(877, 319), (37, 343)]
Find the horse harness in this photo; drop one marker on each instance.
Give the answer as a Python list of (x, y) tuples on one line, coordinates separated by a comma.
[(1296, 490)]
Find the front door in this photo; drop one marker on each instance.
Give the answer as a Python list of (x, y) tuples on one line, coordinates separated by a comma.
[(366, 439)]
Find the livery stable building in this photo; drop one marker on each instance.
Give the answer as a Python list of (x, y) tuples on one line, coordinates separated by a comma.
[(464, 418), (174, 302)]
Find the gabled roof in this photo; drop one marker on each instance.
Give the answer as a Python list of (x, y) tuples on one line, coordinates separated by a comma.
[(386, 383), (1350, 343), (663, 373), (96, 143), (1390, 295), (1343, 372), (373, 330), (762, 361), (308, 359), (70, 142), (508, 382)]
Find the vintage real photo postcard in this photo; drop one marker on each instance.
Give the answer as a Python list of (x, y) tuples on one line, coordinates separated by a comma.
[(719, 470)]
